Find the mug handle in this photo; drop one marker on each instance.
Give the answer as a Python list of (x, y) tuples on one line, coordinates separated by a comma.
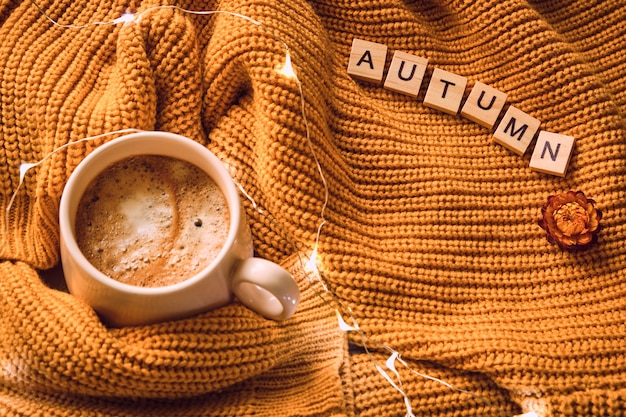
[(266, 288)]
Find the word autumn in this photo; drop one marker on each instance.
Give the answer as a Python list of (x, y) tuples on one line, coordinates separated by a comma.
[(484, 104)]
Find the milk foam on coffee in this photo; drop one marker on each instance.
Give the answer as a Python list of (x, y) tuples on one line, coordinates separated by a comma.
[(152, 221)]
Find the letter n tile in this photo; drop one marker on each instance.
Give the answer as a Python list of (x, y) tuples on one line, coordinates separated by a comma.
[(552, 153)]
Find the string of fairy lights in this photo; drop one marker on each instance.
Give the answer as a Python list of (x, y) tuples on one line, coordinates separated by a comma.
[(346, 320)]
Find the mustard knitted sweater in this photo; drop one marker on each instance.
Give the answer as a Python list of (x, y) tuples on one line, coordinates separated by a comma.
[(430, 246)]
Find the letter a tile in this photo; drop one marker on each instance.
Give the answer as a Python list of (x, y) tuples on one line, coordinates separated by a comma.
[(445, 91), (552, 153), (516, 130), (406, 73), (367, 60), (483, 105)]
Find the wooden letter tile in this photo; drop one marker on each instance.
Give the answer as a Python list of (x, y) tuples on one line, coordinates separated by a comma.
[(483, 105), (445, 91), (367, 60), (552, 153), (406, 73), (516, 130)]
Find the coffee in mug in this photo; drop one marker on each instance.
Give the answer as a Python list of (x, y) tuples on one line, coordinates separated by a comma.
[(151, 221), (142, 221)]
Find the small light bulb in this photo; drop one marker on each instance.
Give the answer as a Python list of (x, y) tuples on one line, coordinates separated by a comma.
[(287, 70), (311, 265), (125, 18)]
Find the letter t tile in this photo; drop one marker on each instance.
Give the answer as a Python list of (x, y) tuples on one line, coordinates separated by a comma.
[(445, 91)]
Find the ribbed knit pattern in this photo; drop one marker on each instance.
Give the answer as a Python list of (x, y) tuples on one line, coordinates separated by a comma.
[(431, 234)]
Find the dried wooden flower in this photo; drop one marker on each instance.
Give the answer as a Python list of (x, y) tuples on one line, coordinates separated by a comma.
[(571, 221)]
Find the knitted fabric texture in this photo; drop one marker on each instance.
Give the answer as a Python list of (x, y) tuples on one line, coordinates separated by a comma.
[(431, 236)]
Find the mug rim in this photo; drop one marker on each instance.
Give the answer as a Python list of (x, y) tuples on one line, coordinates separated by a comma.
[(67, 212)]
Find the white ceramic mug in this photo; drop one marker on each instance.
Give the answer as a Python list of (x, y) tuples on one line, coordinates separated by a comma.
[(263, 286)]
